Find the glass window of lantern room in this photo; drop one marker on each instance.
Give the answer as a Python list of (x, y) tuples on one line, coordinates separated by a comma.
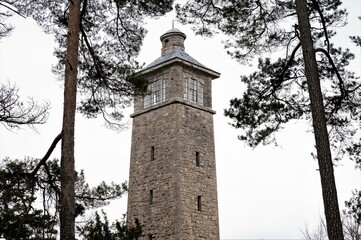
[(164, 90), (200, 93), (185, 89), (193, 90), (157, 92), (147, 96)]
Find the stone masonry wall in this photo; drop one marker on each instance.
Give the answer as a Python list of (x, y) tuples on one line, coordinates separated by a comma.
[(171, 42), (196, 135), (177, 131)]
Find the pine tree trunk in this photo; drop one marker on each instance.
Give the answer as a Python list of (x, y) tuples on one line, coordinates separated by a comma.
[(329, 192), (67, 177)]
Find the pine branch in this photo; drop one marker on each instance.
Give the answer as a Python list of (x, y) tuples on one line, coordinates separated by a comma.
[(318, 9), (340, 80), (11, 9), (47, 155)]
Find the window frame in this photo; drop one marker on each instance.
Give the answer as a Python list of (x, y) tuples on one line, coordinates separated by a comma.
[(157, 92), (193, 90)]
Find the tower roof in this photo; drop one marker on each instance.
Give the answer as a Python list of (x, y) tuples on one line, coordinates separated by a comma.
[(173, 50), (173, 31), (175, 53)]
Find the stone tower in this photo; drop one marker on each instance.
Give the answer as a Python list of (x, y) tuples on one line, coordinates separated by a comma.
[(172, 180)]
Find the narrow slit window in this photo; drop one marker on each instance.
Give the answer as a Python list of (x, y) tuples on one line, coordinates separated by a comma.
[(199, 203), (151, 197), (198, 159), (152, 153)]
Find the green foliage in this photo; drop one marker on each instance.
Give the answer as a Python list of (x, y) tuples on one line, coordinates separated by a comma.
[(5, 29), (88, 198), (18, 195), (265, 106), (274, 97), (277, 92), (354, 207), (281, 89), (254, 27), (356, 39), (99, 229), (111, 34), (29, 201)]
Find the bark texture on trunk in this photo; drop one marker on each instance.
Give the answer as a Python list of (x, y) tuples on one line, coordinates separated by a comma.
[(329, 192), (67, 177)]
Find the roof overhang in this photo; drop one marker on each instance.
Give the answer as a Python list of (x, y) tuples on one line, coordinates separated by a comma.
[(210, 72)]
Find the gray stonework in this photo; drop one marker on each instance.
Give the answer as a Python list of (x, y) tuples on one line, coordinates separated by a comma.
[(177, 130)]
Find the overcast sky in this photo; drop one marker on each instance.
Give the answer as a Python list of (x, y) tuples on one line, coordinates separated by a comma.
[(269, 192)]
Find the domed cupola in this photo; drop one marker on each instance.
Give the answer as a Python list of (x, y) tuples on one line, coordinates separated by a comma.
[(172, 39)]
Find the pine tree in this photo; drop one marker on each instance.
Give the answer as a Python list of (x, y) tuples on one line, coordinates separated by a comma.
[(24, 184), (98, 42), (312, 84)]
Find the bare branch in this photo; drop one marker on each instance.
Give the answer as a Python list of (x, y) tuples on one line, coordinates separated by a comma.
[(11, 9), (315, 3), (341, 83), (14, 112), (289, 62), (48, 153)]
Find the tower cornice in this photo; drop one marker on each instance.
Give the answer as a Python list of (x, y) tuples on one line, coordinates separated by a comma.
[(173, 101), (153, 67)]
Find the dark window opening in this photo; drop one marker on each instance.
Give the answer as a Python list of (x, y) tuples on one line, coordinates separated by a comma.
[(167, 40), (199, 203), (150, 237), (151, 197), (152, 153), (198, 159)]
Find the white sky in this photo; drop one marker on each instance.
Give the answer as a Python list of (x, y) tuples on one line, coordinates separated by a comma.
[(269, 192)]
